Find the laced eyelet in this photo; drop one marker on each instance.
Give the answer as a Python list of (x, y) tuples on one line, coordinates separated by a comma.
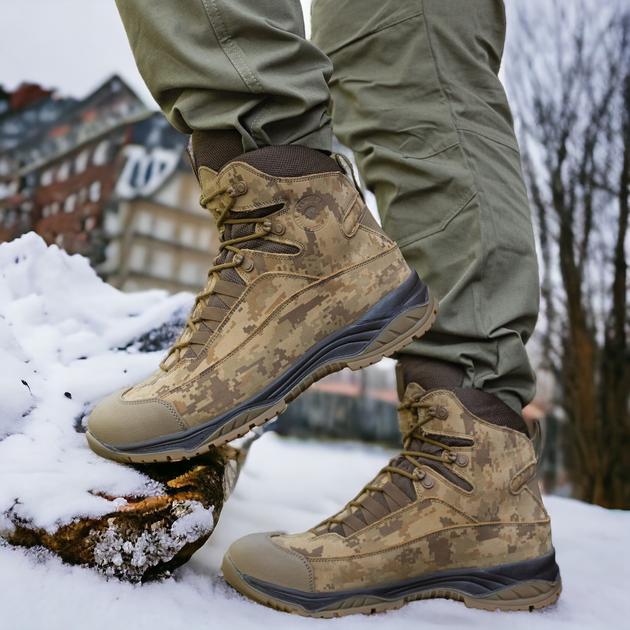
[(274, 227), (240, 188), (247, 264), (238, 259), (457, 458), (439, 412), (422, 477), (427, 482)]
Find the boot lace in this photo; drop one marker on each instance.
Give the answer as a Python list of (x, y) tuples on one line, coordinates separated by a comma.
[(221, 220), (447, 456)]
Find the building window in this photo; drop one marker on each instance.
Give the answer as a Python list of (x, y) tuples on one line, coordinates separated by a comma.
[(95, 191), (189, 272), (138, 258), (144, 223), (205, 239), (8, 190), (162, 265), (101, 154), (64, 172), (54, 208), (187, 235), (70, 204), (80, 164), (47, 177), (164, 229)]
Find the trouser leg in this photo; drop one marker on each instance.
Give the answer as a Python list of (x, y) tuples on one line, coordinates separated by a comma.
[(233, 64), (415, 95)]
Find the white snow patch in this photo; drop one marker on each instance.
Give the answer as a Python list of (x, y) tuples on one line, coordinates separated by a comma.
[(291, 485), (65, 340), (129, 554)]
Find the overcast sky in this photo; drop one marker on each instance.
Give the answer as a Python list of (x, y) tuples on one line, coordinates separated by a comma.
[(72, 45)]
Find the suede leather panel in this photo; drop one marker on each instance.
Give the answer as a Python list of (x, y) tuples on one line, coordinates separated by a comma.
[(117, 421), (257, 556)]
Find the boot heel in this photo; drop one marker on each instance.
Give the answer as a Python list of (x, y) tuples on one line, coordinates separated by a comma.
[(527, 596), (398, 334)]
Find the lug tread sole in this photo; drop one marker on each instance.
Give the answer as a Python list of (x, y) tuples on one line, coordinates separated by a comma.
[(527, 596)]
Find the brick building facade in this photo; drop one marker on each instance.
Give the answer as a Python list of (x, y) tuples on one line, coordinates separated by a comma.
[(106, 178)]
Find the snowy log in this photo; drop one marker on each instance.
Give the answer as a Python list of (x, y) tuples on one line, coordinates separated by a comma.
[(67, 340), (145, 537)]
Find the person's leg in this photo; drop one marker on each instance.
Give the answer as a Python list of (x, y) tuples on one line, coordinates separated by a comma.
[(233, 64), (415, 95), (458, 513)]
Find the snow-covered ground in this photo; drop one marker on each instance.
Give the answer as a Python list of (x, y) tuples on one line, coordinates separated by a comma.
[(291, 485), (67, 340)]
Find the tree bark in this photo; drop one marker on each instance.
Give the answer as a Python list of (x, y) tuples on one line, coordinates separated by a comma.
[(146, 538)]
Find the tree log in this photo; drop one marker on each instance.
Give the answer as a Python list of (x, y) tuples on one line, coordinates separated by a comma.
[(146, 538)]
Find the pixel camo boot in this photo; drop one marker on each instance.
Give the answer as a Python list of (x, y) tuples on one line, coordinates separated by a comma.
[(458, 514), (306, 283)]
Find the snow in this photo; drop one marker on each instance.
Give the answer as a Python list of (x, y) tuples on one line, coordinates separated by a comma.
[(291, 485), (63, 330), (67, 340), (128, 555)]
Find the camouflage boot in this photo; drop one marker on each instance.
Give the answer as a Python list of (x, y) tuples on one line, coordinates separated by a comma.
[(458, 514), (306, 283)]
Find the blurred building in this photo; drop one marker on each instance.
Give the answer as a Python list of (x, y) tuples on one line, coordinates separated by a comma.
[(158, 235), (106, 178)]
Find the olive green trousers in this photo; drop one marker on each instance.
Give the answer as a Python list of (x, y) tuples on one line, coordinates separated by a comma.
[(412, 88)]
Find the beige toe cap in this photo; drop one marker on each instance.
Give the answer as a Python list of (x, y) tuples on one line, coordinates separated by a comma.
[(258, 557), (115, 421)]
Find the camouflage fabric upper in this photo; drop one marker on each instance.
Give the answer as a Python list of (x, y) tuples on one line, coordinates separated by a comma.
[(324, 263), (497, 518)]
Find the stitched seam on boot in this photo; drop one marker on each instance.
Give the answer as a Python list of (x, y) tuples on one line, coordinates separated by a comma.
[(475, 526), (485, 423), (346, 214), (311, 579), (522, 477), (280, 307), (408, 508), (167, 403)]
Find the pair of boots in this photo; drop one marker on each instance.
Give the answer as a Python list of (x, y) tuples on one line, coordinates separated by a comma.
[(305, 284)]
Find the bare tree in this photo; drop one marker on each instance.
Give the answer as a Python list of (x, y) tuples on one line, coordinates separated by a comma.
[(569, 78)]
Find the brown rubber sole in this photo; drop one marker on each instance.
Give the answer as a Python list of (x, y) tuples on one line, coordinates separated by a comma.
[(527, 596), (413, 323)]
